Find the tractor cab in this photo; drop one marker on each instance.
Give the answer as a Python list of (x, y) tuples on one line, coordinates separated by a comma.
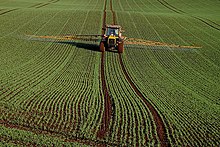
[(112, 38), (112, 31)]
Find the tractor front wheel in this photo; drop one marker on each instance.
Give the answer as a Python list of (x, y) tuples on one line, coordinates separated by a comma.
[(102, 47), (121, 47)]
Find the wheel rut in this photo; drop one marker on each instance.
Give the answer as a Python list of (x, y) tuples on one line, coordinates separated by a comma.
[(160, 127), (207, 22), (108, 102), (61, 135), (108, 112), (8, 11), (40, 5)]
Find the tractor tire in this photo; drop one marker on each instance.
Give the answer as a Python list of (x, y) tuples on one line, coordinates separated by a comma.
[(102, 47), (121, 47)]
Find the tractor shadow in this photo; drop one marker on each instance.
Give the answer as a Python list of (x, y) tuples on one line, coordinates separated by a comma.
[(92, 46), (85, 45)]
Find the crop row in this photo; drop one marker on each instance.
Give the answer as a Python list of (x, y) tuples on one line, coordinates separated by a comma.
[(53, 90), (126, 124), (56, 87), (176, 99), (157, 118), (173, 84), (132, 123), (23, 5), (200, 76), (179, 62)]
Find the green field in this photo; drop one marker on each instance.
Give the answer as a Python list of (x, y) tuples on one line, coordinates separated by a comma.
[(51, 92)]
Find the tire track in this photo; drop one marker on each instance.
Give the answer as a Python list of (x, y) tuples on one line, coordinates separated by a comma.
[(107, 113), (125, 115), (113, 13), (35, 5), (205, 22), (160, 127), (176, 10), (108, 102), (213, 22), (67, 137), (43, 5), (36, 120), (64, 136), (167, 5), (54, 1), (5, 12), (132, 107), (104, 18), (16, 142), (40, 5)]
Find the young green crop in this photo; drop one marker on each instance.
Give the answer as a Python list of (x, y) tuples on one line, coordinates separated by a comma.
[(55, 87)]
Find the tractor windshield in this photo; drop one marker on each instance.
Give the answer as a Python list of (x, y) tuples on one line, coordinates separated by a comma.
[(112, 31)]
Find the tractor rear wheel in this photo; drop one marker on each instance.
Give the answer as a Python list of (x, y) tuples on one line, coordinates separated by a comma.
[(121, 47), (102, 47)]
